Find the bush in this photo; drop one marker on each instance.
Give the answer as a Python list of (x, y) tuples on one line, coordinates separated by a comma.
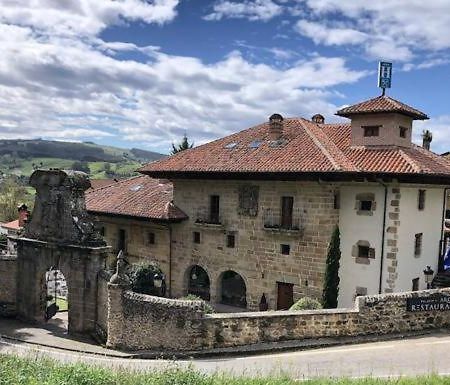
[(306, 303), (141, 278), (191, 297)]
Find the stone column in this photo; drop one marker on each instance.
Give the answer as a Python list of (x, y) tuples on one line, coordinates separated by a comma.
[(117, 285)]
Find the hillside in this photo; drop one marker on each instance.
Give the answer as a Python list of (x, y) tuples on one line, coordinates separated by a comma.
[(21, 157)]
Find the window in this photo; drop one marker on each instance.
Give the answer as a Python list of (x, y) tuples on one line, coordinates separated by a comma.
[(415, 284), (102, 231), (421, 199), (231, 240), (121, 243), (196, 237), (287, 207), (337, 200), (366, 252), (418, 244), (151, 238), (371, 130), (403, 131), (214, 205), (285, 249), (365, 205)]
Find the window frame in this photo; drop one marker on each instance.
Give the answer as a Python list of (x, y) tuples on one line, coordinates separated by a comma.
[(196, 237), (403, 132), (371, 131), (421, 198), (231, 236), (151, 238), (214, 209), (287, 212), (418, 244), (285, 248)]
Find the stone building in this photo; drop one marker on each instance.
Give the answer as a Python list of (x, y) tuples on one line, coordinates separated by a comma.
[(135, 216), (259, 208)]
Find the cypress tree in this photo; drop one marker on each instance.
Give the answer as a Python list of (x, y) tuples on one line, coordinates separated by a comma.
[(331, 283)]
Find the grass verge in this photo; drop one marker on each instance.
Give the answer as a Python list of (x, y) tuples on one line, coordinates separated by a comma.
[(28, 371)]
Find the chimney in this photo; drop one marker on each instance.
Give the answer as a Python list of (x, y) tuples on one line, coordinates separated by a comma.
[(427, 138), (319, 119), (23, 214), (275, 127)]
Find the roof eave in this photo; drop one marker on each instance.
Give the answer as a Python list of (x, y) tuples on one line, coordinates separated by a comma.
[(412, 115), (336, 176), (138, 218)]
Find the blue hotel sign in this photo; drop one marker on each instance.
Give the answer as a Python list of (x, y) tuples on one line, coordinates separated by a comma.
[(384, 74), (438, 302)]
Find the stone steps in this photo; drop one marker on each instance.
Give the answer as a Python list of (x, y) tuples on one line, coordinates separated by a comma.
[(441, 280)]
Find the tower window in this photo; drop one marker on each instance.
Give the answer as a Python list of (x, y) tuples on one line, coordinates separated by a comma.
[(403, 131), (371, 131)]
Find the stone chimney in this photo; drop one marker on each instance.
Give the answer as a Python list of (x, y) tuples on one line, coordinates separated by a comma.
[(275, 127), (23, 214), (427, 138), (319, 119)]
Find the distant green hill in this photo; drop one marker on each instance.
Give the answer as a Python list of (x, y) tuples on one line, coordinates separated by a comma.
[(20, 157)]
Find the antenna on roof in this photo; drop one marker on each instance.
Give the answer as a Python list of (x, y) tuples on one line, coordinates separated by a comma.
[(384, 76)]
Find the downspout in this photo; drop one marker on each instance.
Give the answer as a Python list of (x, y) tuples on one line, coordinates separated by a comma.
[(383, 236), (442, 243), (170, 260)]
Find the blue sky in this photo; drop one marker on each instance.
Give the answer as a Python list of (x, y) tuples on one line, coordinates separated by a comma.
[(137, 73)]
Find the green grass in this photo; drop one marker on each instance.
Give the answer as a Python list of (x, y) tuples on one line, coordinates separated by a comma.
[(62, 303), (33, 371)]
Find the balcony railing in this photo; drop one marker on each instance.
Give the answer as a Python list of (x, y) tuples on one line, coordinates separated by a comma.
[(274, 221), (208, 219)]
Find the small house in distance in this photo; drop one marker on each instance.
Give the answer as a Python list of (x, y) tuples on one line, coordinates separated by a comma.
[(262, 205)]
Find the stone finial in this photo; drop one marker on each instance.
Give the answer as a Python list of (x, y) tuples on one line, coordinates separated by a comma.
[(120, 277)]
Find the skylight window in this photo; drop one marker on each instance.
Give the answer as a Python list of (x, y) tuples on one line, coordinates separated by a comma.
[(255, 144), (231, 145), (136, 187)]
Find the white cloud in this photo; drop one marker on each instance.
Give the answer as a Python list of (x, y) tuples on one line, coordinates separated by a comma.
[(68, 86), (321, 34), (396, 30), (253, 10), (84, 17)]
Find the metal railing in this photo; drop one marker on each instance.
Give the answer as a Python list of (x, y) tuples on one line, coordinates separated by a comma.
[(208, 218), (273, 220)]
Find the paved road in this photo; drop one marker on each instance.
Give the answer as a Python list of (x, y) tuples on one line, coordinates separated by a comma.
[(413, 356)]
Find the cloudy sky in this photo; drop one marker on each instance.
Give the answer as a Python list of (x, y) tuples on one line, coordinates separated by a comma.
[(138, 73)]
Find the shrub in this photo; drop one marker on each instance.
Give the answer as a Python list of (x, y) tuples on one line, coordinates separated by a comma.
[(141, 278), (191, 297), (306, 303)]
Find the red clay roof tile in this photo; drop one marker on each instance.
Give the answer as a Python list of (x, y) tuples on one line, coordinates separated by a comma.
[(140, 196)]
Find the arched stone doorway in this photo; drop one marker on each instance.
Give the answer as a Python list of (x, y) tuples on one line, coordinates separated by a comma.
[(198, 283), (233, 291), (56, 297)]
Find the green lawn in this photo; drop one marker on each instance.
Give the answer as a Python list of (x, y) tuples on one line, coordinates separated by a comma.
[(62, 303), (20, 371)]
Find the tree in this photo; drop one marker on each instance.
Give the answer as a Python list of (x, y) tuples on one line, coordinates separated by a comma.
[(331, 284), (12, 195), (81, 166), (184, 145)]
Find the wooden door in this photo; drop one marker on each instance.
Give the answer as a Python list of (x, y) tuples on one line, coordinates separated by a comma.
[(285, 295)]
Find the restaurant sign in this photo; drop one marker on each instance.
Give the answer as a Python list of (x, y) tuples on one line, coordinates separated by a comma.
[(439, 302)]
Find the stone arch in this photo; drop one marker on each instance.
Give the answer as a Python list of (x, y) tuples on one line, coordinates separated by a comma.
[(198, 282), (232, 289), (60, 234)]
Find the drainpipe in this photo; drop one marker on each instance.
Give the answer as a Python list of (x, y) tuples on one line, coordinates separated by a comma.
[(170, 261), (383, 236), (442, 243)]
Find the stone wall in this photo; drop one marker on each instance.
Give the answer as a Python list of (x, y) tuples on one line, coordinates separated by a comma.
[(8, 285), (151, 323), (257, 255)]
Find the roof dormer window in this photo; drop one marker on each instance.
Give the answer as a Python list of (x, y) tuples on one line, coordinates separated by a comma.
[(371, 130)]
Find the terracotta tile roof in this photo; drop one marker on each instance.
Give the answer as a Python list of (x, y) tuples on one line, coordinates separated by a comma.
[(13, 225), (97, 183), (140, 196), (381, 104), (306, 147)]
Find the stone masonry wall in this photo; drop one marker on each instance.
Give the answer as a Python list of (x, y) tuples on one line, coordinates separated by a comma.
[(101, 326), (257, 254), (151, 323), (8, 285)]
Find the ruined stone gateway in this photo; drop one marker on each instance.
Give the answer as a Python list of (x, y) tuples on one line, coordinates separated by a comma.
[(60, 235)]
